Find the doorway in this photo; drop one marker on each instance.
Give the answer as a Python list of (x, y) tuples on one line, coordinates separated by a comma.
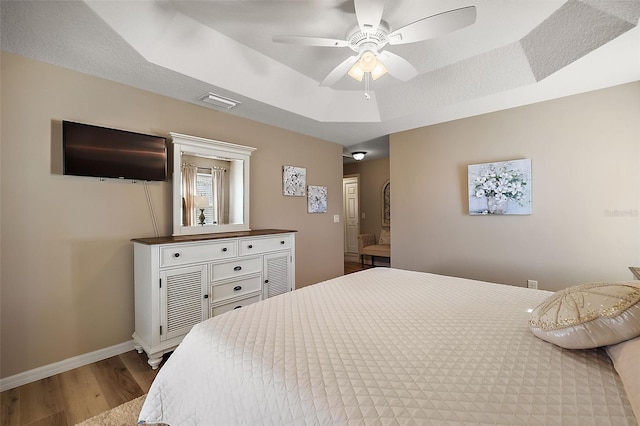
[(351, 203)]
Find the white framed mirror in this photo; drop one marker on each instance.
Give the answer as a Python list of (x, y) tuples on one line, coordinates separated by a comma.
[(210, 185)]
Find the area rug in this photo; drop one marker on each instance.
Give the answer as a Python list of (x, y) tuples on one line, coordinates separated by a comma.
[(123, 415)]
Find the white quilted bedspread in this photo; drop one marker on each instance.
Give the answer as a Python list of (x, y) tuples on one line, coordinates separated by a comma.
[(385, 346)]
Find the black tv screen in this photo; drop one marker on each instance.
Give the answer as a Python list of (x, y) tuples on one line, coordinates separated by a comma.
[(109, 153)]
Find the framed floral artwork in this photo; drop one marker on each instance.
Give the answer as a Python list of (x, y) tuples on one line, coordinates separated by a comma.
[(294, 181), (502, 188), (317, 199)]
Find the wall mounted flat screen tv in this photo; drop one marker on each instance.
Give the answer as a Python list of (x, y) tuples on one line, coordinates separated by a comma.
[(109, 153)]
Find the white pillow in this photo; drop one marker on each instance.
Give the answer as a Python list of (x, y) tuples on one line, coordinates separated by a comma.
[(385, 237), (589, 315)]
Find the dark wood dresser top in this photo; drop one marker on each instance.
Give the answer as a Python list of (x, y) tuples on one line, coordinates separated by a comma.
[(204, 237)]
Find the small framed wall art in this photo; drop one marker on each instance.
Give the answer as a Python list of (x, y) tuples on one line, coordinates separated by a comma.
[(501, 188), (294, 181), (317, 199)]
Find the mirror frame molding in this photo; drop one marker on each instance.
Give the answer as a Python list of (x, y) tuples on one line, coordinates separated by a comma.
[(212, 149)]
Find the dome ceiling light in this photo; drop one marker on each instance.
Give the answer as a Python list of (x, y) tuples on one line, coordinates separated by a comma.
[(358, 155)]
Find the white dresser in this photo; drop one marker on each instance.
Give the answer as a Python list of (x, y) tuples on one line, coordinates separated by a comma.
[(183, 280)]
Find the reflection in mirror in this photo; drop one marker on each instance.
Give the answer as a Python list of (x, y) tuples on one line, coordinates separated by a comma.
[(210, 186), (205, 180)]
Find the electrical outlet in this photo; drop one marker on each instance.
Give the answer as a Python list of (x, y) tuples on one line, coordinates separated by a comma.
[(532, 284)]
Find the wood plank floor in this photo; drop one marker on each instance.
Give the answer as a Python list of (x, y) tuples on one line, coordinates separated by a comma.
[(351, 267), (76, 395)]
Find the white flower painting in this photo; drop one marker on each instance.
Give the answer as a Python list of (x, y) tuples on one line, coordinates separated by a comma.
[(294, 181), (317, 199), (502, 188)]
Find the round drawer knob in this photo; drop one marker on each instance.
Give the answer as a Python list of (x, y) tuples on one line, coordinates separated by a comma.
[(176, 254), (237, 268), (238, 307), (237, 288), (206, 296), (224, 249), (250, 245), (266, 281), (282, 242)]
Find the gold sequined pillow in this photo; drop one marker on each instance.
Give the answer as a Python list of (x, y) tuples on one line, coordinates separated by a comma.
[(589, 315)]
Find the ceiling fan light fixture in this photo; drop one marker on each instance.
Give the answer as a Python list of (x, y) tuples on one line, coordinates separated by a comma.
[(358, 155), (368, 63), (356, 72), (378, 71)]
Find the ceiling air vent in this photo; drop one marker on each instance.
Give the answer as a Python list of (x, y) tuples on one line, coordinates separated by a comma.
[(219, 101)]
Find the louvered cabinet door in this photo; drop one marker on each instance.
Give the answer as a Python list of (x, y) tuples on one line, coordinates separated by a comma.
[(182, 300), (277, 274)]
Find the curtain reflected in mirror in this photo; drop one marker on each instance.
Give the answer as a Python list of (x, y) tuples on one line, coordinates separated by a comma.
[(189, 175), (218, 194)]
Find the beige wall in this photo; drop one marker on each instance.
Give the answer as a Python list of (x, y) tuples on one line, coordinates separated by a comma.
[(67, 262), (585, 153), (372, 176)]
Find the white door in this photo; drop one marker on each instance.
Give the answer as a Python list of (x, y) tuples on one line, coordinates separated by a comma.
[(351, 214)]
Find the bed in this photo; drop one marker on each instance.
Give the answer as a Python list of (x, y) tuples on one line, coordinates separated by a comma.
[(386, 346)]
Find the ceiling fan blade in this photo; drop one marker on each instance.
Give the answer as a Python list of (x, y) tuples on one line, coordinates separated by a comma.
[(369, 14), (397, 66), (433, 26), (339, 71), (310, 41)]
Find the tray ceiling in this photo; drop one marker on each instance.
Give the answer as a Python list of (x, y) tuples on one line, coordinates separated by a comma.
[(516, 53)]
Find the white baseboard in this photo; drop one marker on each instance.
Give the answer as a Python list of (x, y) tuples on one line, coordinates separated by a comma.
[(45, 371)]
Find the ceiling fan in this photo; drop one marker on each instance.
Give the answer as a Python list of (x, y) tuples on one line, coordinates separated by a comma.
[(369, 38)]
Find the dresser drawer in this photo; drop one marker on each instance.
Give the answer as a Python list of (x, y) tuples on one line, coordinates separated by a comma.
[(264, 245), (193, 253), (234, 305), (235, 268), (235, 288)]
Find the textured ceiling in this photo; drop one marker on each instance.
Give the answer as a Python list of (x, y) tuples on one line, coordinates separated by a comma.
[(517, 52)]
